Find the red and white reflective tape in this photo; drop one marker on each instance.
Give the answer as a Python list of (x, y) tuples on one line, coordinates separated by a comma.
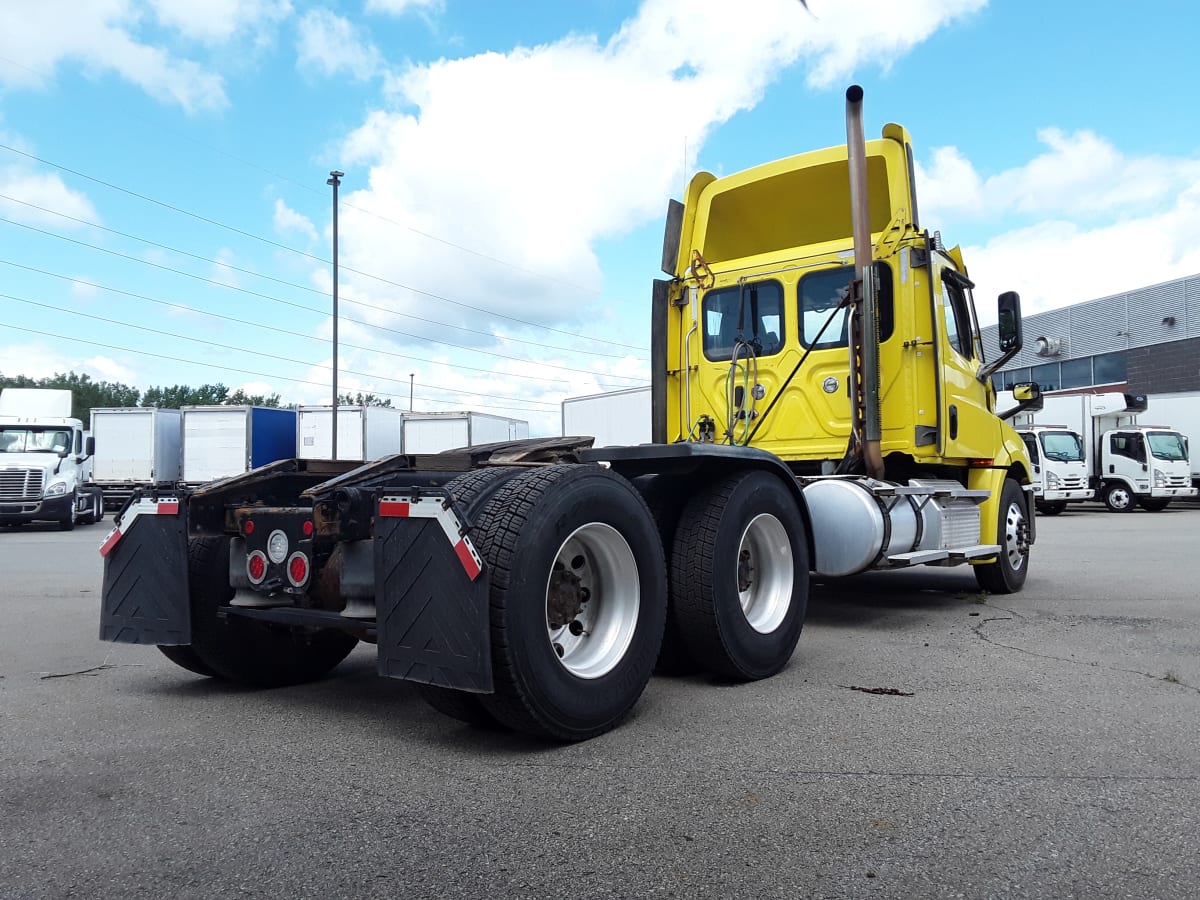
[(401, 507), (163, 506)]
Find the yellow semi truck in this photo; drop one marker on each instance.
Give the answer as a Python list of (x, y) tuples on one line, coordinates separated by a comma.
[(820, 404)]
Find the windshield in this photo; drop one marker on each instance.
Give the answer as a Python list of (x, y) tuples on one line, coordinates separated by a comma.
[(1166, 445), (1062, 446), (34, 440)]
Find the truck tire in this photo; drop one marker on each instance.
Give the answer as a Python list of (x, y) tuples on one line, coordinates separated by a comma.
[(1118, 497), (1007, 574), (244, 650), (1154, 504), (67, 522), (1052, 509), (739, 576), (186, 658), (578, 600), (470, 491), (665, 498)]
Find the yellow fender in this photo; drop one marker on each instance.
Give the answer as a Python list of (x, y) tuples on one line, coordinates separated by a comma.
[(1010, 462)]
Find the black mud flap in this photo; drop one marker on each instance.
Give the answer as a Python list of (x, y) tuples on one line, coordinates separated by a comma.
[(431, 599), (145, 593)]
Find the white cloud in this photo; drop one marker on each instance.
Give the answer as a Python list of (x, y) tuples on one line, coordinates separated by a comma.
[(100, 36), (331, 44), (39, 360), (219, 21), (45, 190), (105, 368), (533, 156), (288, 220), (399, 7), (1079, 174)]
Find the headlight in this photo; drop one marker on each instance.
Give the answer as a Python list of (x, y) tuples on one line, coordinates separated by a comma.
[(58, 489), (1160, 478), (1052, 481)]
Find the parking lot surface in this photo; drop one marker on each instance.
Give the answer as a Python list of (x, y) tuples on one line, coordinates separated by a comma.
[(1043, 744)]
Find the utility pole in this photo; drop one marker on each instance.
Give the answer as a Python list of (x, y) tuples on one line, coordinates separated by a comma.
[(334, 180), (411, 376)]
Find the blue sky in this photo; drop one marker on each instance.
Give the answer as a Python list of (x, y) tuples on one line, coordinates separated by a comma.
[(166, 218)]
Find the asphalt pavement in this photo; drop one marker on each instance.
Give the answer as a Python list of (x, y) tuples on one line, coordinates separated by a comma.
[(1039, 745)]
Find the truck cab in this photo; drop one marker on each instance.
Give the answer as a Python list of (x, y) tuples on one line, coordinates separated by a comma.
[(45, 461), (1059, 466)]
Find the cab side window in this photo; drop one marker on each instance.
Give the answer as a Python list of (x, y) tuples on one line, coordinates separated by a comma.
[(1127, 445), (752, 313), (1031, 446), (956, 311)]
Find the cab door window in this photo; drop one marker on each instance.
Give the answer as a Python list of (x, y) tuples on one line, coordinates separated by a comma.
[(956, 311), (1128, 445), (752, 313)]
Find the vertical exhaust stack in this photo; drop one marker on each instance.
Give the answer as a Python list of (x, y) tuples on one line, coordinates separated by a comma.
[(864, 346)]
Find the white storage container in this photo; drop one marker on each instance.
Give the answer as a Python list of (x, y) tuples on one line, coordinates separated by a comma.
[(365, 433), (136, 446), (614, 419), (435, 432)]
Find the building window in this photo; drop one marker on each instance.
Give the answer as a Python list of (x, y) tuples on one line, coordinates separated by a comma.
[(1108, 368), (1014, 377), (1046, 376), (1076, 373)]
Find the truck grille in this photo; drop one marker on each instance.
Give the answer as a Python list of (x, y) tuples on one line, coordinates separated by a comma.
[(21, 484), (1072, 482), (1179, 481)]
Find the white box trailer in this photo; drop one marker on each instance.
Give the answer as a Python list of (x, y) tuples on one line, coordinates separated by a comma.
[(365, 433), (435, 432), (614, 418), (135, 447), (220, 441)]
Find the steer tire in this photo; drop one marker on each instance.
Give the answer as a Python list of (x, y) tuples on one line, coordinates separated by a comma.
[(1118, 497), (247, 651), (1006, 575), (68, 523), (186, 658), (576, 543), (470, 491), (739, 576)]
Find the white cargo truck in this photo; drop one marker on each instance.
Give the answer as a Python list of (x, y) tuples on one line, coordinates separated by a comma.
[(1182, 410), (365, 433), (614, 418), (438, 431), (45, 461), (1129, 464), (136, 447), (221, 441), (1060, 474)]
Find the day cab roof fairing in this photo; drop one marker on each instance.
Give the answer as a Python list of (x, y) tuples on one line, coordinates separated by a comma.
[(800, 201)]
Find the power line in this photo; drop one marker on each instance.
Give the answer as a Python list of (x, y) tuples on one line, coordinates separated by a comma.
[(305, 253), (299, 362), (204, 312), (211, 365), (302, 287), (273, 299)]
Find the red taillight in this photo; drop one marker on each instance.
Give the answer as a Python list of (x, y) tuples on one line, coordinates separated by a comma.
[(307, 528), (248, 527), (298, 569), (256, 567)]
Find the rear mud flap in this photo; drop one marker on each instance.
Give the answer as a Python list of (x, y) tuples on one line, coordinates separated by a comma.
[(145, 593), (431, 607)]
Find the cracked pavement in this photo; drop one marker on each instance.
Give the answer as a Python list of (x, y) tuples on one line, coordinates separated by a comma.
[(1048, 749)]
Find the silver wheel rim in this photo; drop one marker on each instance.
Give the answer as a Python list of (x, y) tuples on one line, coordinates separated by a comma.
[(1119, 497), (1014, 540), (765, 573), (592, 600)]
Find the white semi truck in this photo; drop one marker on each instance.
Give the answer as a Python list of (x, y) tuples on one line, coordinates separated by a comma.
[(1129, 464), (45, 461)]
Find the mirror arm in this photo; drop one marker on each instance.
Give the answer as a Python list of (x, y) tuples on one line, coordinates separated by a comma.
[(988, 369)]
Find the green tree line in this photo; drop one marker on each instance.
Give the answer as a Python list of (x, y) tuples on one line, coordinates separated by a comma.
[(87, 394)]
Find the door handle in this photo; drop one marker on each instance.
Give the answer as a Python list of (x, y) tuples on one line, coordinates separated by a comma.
[(953, 422)]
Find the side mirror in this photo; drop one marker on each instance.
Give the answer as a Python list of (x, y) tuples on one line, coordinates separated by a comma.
[(1028, 394), (89, 446), (1008, 327), (1009, 319)]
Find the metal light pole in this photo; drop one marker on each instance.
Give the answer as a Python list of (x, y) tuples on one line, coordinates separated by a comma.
[(411, 376), (334, 180)]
